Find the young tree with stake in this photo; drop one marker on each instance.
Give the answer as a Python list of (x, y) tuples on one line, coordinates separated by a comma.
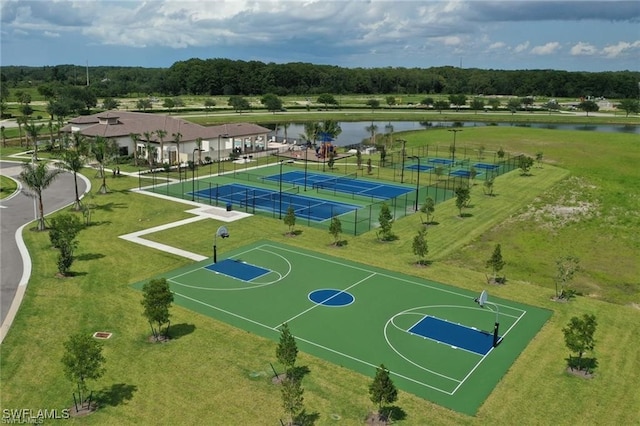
[(496, 263), (382, 390), (83, 360)]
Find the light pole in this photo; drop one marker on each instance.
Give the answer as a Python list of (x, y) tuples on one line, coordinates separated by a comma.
[(225, 135), (306, 160), (222, 233), (453, 151), (280, 192), (193, 176), (402, 153), (417, 184)]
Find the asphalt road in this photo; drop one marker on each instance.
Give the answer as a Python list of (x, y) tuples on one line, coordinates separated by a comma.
[(15, 212)]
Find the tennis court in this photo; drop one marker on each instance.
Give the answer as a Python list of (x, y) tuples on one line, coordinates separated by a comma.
[(441, 161), (435, 340), (421, 167), (348, 184), (463, 173), (243, 196)]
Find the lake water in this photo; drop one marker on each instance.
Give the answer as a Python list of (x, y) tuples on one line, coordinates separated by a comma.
[(353, 133)]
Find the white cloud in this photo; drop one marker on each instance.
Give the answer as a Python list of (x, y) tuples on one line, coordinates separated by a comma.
[(620, 48), (546, 49), (51, 34), (521, 47), (497, 45), (583, 49)]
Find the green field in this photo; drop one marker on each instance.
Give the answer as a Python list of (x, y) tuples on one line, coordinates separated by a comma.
[(207, 372), (371, 329)]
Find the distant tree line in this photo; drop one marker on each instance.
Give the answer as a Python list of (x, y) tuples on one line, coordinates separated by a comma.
[(225, 77)]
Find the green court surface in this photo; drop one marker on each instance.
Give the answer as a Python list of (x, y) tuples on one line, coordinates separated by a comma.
[(359, 316)]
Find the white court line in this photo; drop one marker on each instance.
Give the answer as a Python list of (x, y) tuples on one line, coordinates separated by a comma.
[(483, 358)]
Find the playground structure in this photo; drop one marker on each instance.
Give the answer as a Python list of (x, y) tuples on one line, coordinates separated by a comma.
[(324, 150)]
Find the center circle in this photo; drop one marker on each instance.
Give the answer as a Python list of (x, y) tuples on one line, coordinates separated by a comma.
[(331, 297)]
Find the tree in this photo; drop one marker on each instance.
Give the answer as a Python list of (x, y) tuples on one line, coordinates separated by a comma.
[(566, 268), (494, 103), (463, 196), (501, 153), (429, 207), (62, 234), (37, 177), (488, 185), (209, 103), (33, 130), (335, 229), (372, 129), (64, 228), (272, 102), (358, 158), (177, 137), (160, 134), (382, 390), (327, 99), (169, 104), (439, 171), (238, 103), (157, 299), (390, 100), (496, 263), (144, 104), (578, 336), (290, 219), (514, 104), (135, 138), (332, 159), (373, 104), (588, 106), (82, 361), (420, 247), (629, 106), (103, 150), (539, 156), (477, 104), (525, 163), (457, 100), (369, 166), (287, 349), (292, 397), (110, 103), (386, 221), (440, 105)]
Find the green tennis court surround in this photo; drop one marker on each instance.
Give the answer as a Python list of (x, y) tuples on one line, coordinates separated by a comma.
[(359, 316)]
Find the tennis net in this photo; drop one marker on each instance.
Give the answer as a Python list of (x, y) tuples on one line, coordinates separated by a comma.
[(333, 182)]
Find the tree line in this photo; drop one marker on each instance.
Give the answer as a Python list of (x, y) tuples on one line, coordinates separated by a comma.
[(226, 77)]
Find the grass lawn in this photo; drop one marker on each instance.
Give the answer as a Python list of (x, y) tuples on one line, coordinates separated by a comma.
[(212, 372), (7, 187)]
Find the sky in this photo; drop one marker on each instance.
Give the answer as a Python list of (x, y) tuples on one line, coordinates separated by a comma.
[(572, 35)]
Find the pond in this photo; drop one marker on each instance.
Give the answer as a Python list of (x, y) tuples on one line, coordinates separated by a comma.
[(354, 133)]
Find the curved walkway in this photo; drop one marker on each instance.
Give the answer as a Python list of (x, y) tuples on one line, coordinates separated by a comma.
[(16, 213)]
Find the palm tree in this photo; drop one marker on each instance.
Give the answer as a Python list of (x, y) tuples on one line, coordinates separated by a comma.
[(199, 145), (330, 128), (33, 130), (285, 126), (176, 139), (160, 133), (103, 150), (310, 133), (147, 136), (372, 131), (23, 119), (37, 177), (135, 137), (72, 161)]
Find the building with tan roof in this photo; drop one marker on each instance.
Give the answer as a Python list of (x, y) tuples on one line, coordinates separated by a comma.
[(170, 139)]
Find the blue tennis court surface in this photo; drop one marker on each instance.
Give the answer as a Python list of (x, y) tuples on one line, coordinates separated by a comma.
[(456, 335), (422, 167), (346, 184), (486, 166), (237, 269), (443, 161), (462, 173), (249, 197)]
